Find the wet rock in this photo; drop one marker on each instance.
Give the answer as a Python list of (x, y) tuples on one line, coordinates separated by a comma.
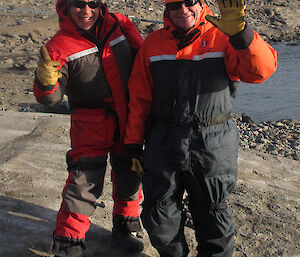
[(246, 118)]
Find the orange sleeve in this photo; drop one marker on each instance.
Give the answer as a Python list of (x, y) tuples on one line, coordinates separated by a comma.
[(253, 64), (140, 98)]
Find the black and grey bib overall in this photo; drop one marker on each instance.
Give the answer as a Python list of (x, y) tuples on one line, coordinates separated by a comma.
[(191, 145)]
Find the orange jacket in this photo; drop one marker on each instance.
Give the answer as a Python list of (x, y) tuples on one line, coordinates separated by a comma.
[(220, 60)]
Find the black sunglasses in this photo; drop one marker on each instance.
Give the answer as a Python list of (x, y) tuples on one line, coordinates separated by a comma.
[(177, 5), (82, 4)]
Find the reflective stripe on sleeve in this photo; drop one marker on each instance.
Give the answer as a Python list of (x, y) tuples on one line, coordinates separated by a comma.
[(81, 54), (117, 40), (208, 56), (164, 57), (194, 58)]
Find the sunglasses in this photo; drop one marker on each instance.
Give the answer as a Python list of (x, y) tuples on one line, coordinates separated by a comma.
[(82, 4), (177, 5)]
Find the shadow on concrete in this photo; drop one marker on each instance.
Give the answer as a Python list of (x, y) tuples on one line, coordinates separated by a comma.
[(26, 231), (60, 108)]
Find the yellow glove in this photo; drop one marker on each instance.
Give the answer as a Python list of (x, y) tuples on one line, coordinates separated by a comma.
[(232, 17), (137, 166), (47, 71)]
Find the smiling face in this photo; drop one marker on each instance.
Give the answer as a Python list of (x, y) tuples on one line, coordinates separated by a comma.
[(84, 17), (186, 17)]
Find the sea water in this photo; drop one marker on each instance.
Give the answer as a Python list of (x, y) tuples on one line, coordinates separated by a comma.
[(278, 97)]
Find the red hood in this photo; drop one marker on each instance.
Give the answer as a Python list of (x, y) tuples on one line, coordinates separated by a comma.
[(203, 27), (65, 22)]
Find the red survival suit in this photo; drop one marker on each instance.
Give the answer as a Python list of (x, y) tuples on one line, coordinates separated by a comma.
[(95, 70)]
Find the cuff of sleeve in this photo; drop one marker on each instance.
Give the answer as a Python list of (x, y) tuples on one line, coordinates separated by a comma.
[(243, 39), (133, 150)]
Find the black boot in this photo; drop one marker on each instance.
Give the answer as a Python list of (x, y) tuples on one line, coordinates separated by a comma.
[(126, 232), (67, 247)]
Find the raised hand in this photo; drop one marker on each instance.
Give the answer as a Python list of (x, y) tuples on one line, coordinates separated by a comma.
[(232, 13), (47, 71)]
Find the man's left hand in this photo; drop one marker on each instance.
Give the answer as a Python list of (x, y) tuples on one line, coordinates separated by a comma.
[(134, 152), (232, 17), (137, 165)]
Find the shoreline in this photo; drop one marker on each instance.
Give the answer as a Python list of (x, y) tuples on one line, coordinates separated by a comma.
[(281, 137)]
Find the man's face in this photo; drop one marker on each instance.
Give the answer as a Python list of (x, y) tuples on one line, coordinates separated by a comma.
[(185, 16), (84, 15)]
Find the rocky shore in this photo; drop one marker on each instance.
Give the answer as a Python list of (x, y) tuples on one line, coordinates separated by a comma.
[(274, 137)]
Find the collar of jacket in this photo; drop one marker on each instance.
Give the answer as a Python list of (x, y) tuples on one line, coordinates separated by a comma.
[(187, 37)]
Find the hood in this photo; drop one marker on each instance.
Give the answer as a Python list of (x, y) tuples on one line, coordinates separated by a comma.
[(65, 22), (202, 24)]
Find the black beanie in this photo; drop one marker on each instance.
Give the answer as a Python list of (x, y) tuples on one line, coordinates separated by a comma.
[(69, 3)]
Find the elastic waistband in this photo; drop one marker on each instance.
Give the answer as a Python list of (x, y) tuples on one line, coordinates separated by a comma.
[(215, 120), (196, 122)]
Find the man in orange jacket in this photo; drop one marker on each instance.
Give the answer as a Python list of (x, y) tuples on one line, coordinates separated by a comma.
[(181, 91)]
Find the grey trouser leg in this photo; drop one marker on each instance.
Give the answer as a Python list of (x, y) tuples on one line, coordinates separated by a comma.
[(86, 185), (210, 180), (214, 230), (162, 214), (207, 168)]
